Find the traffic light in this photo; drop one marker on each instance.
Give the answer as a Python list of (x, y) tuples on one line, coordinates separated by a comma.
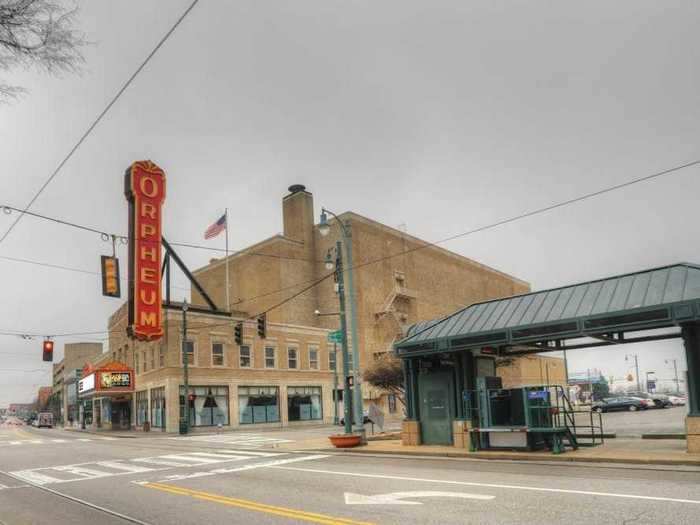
[(238, 333), (262, 326), (110, 276), (48, 350)]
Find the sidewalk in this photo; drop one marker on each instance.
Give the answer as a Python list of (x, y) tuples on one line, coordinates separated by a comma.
[(621, 451)]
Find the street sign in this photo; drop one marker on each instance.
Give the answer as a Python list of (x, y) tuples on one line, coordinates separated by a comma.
[(335, 337)]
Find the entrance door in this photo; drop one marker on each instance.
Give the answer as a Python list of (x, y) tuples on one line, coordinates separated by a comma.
[(437, 407)]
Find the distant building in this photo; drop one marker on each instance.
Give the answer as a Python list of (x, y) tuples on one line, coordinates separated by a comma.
[(43, 397), (531, 370), (65, 385)]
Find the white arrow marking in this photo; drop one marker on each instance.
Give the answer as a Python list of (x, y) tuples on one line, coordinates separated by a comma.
[(397, 498)]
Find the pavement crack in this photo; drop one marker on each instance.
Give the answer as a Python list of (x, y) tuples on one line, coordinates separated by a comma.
[(635, 518)]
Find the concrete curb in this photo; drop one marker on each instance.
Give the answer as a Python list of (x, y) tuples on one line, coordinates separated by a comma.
[(663, 436), (505, 456)]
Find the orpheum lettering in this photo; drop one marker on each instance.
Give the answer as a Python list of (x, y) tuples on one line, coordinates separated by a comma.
[(145, 190)]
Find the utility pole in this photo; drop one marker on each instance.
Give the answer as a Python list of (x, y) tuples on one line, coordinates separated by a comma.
[(675, 372), (636, 368), (185, 427), (347, 393)]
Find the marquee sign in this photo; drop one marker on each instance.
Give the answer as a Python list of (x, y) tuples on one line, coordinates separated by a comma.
[(115, 380), (144, 187)]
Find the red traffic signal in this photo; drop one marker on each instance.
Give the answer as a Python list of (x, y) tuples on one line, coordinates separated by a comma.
[(48, 350)]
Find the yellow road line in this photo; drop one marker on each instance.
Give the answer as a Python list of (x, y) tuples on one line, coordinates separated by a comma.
[(255, 506)]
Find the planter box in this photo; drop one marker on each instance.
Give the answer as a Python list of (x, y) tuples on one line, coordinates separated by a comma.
[(345, 440)]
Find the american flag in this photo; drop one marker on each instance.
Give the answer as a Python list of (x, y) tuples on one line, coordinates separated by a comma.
[(216, 228)]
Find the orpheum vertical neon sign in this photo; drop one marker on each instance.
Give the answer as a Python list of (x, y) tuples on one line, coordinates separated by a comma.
[(144, 186)]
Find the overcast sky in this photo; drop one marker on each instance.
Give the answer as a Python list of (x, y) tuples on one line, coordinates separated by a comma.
[(441, 115)]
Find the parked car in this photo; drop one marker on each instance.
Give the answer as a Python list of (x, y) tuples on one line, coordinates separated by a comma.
[(611, 404), (659, 400), (677, 401)]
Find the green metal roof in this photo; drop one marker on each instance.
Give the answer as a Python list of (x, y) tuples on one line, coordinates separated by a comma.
[(655, 298)]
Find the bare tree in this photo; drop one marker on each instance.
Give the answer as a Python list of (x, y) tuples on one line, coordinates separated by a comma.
[(386, 373), (38, 33)]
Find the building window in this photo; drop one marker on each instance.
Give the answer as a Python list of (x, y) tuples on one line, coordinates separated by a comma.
[(153, 358), (332, 360), (258, 404), (304, 403), (217, 354), (136, 362), (338, 394), (161, 356), (145, 362), (313, 358), (189, 348), (391, 400), (245, 356), (158, 407), (141, 407), (208, 405), (269, 357), (292, 358)]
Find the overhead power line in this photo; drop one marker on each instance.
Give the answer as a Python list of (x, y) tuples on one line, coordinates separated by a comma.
[(537, 211), (106, 236), (99, 117)]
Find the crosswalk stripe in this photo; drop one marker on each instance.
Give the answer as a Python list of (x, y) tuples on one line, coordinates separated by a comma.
[(187, 457), (35, 477), (158, 461), (108, 438), (117, 465), (84, 439), (58, 441), (82, 471), (223, 457), (15, 442), (249, 452)]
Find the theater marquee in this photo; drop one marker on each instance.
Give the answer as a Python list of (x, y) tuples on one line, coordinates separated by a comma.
[(144, 186)]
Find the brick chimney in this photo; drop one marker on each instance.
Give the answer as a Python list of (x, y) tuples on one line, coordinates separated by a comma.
[(298, 214)]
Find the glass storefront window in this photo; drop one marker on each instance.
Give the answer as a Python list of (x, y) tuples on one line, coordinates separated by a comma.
[(304, 403), (141, 407), (158, 407), (258, 404), (208, 405)]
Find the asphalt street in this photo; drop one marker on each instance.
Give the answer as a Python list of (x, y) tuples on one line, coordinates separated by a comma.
[(54, 476)]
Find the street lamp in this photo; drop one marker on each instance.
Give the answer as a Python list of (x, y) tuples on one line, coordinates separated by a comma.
[(346, 235)]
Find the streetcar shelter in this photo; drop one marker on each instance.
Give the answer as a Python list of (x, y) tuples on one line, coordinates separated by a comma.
[(447, 361)]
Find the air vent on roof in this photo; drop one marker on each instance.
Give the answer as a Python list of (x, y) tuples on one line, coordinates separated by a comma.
[(549, 329), (641, 317), (478, 340)]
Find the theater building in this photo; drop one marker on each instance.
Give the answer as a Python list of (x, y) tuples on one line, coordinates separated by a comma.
[(414, 281), (106, 391)]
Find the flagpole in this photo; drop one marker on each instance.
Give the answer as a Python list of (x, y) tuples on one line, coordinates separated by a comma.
[(228, 302)]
